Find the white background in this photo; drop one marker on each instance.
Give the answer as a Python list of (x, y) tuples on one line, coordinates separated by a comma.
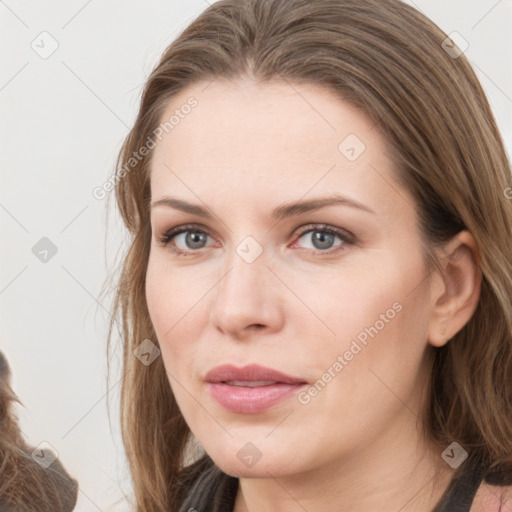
[(64, 119)]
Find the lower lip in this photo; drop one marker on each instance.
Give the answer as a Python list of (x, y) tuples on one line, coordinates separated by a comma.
[(251, 400)]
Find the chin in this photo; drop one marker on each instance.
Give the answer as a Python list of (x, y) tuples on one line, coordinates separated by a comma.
[(254, 460), (234, 468)]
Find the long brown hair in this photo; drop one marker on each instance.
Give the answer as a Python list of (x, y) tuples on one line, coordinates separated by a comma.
[(391, 62)]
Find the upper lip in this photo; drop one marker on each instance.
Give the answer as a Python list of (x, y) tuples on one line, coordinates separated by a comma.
[(252, 372)]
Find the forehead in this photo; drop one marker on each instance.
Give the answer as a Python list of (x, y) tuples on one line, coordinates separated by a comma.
[(242, 114), (277, 138)]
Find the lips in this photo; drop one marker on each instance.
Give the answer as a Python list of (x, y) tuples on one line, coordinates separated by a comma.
[(251, 373), (250, 389)]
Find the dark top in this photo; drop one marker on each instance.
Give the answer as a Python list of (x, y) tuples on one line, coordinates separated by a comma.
[(215, 491), (461, 491)]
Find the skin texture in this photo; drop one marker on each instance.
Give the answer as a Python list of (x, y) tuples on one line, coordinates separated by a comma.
[(356, 445)]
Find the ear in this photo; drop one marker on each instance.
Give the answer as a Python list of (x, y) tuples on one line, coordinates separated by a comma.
[(455, 294)]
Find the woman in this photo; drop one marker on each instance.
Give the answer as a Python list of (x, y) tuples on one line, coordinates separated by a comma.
[(319, 285)]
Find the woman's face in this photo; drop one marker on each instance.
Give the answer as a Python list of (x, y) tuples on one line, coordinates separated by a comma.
[(335, 296)]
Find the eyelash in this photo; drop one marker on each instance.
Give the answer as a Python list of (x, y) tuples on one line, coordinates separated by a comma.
[(346, 237)]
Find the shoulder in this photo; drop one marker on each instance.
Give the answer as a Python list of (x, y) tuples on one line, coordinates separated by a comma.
[(492, 498)]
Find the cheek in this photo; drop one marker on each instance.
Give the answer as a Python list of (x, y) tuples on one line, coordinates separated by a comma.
[(169, 295), (385, 341), (373, 364), (161, 298), (378, 317), (349, 303), (177, 306), (156, 297)]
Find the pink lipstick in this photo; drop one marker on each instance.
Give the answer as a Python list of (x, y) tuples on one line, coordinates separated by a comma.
[(250, 389)]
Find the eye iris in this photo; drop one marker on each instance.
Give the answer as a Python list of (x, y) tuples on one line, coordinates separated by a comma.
[(325, 239), (321, 239), (193, 238)]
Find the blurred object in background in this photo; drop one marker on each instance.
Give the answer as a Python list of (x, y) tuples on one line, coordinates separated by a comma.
[(31, 479)]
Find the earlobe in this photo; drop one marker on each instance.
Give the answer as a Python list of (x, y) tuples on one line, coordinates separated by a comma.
[(456, 294)]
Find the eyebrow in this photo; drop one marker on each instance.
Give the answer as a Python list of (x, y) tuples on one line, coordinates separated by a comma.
[(281, 212)]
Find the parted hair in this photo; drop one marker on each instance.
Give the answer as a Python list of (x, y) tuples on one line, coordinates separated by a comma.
[(391, 62)]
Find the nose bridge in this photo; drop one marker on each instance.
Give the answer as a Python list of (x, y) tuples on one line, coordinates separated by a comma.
[(243, 283), (244, 296)]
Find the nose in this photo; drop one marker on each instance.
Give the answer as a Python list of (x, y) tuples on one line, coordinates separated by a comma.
[(247, 299)]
